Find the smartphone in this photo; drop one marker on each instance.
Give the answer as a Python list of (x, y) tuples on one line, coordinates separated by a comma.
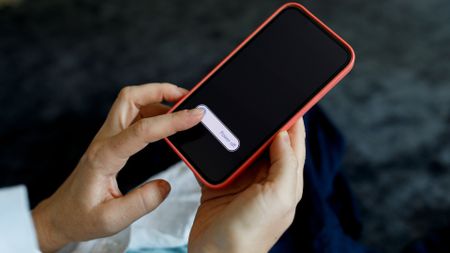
[(262, 87)]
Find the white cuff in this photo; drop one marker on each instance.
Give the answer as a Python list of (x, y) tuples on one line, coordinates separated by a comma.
[(17, 232)]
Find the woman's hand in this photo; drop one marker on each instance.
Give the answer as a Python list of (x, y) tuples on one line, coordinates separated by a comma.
[(89, 204), (252, 213)]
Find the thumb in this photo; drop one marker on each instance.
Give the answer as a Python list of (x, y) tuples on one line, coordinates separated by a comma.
[(283, 169), (125, 210)]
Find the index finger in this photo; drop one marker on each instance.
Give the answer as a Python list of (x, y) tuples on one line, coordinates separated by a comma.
[(132, 98), (117, 149)]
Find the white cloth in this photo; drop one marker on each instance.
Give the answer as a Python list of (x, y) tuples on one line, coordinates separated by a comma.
[(168, 226), (17, 232)]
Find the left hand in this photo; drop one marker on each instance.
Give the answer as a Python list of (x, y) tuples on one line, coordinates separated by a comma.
[(89, 204)]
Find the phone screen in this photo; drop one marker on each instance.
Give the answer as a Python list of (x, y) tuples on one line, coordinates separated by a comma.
[(257, 91)]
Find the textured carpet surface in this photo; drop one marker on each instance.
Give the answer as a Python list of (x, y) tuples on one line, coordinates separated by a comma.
[(62, 62)]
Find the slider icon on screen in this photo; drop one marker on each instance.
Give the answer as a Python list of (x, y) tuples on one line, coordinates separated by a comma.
[(216, 127)]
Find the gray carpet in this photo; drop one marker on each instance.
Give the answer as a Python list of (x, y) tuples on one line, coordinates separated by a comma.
[(394, 108)]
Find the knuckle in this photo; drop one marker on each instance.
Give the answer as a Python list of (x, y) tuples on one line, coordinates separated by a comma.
[(93, 154), (160, 89), (172, 124), (180, 114), (140, 128), (125, 93), (291, 162), (286, 202), (300, 195), (167, 88), (285, 207), (288, 218), (181, 120), (104, 221), (168, 85), (144, 203)]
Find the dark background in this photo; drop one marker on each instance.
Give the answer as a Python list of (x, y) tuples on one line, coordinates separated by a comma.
[(63, 62)]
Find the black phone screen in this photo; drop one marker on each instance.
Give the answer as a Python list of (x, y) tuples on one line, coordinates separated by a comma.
[(257, 91)]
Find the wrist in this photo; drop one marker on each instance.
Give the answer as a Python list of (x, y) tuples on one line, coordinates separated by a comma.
[(48, 238), (229, 242)]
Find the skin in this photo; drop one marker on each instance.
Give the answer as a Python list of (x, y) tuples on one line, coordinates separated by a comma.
[(251, 214), (248, 216)]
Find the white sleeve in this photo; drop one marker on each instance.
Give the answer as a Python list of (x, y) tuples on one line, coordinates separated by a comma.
[(17, 232)]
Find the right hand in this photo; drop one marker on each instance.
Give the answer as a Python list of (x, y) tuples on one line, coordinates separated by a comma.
[(253, 212)]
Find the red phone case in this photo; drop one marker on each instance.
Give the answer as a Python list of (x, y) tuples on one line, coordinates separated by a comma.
[(299, 114)]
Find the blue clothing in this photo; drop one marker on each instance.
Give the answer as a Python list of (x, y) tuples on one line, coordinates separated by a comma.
[(327, 219), (160, 250)]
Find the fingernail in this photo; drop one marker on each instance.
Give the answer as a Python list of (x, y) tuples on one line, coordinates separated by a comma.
[(197, 112), (285, 137), (164, 187)]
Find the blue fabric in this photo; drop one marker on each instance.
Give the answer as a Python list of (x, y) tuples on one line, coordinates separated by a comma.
[(160, 250), (327, 219)]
